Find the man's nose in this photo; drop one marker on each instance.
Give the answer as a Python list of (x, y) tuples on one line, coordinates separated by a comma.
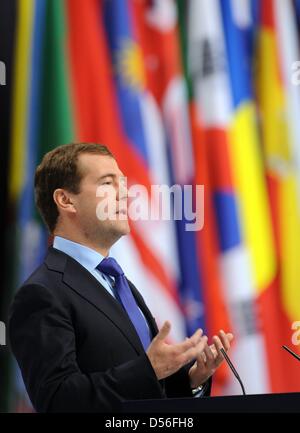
[(122, 190)]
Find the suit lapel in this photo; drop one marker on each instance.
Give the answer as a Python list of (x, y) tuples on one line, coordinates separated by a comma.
[(81, 281)]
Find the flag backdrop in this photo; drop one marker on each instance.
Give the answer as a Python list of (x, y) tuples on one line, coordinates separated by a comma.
[(186, 92)]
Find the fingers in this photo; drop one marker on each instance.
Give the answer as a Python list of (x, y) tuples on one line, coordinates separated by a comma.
[(218, 346), (189, 349), (209, 355), (196, 347), (225, 339), (209, 358), (164, 331), (166, 359), (222, 341), (190, 342), (212, 354), (193, 352)]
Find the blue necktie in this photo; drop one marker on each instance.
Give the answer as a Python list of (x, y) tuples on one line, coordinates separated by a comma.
[(110, 266)]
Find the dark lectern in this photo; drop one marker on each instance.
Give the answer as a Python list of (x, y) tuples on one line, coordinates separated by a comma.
[(261, 403)]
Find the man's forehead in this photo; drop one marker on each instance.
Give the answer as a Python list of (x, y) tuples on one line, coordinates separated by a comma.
[(98, 165)]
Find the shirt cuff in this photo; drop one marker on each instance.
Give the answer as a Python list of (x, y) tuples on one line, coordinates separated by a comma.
[(196, 391)]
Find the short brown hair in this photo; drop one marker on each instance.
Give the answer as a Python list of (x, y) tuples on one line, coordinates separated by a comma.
[(59, 169)]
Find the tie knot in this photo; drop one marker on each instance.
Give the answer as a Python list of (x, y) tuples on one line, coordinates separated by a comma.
[(110, 266)]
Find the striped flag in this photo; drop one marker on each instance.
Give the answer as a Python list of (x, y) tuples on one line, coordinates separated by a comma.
[(157, 22), (27, 233), (216, 312), (210, 69), (277, 101), (41, 120)]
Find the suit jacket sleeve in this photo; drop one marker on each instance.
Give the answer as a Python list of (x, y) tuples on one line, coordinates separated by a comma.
[(43, 341), (178, 385)]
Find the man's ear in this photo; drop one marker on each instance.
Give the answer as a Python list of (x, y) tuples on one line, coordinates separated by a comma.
[(63, 200)]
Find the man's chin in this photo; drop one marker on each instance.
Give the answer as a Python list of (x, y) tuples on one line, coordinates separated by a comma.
[(122, 227), (126, 230), (115, 227)]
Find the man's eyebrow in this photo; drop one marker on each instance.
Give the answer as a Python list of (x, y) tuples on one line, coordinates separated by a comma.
[(113, 175), (106, 175)]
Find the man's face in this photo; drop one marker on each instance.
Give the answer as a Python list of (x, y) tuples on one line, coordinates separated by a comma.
[(102, 188)]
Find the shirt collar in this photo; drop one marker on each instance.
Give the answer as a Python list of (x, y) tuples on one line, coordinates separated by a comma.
[(86, 256)]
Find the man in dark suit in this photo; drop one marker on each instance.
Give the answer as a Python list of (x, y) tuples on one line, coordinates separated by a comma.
[(80, 331)]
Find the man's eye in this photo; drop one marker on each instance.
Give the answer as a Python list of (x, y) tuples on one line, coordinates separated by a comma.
[(107, 183)]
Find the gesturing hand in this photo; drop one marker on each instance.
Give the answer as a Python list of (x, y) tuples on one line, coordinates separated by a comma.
[(166, 358), (209, 360)]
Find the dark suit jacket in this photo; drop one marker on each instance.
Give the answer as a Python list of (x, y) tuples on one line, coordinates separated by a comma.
[(77, 348)]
